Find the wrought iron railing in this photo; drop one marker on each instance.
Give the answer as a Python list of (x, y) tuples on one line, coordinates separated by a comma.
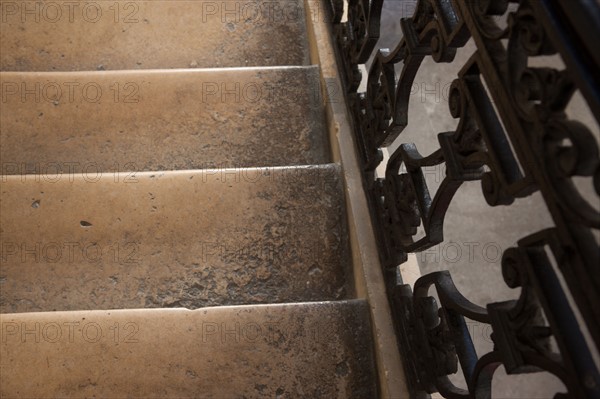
[(515, 137)]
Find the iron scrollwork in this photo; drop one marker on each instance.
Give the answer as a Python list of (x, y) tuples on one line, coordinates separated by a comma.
[(514, 136)]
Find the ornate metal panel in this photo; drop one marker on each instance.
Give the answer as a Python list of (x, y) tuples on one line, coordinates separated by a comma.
[(514, 136)]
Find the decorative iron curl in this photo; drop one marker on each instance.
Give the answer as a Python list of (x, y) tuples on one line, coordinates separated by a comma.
[(357, 37), (515, 136)]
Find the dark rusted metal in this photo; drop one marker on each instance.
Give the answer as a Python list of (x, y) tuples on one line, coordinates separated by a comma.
[(515, 137)]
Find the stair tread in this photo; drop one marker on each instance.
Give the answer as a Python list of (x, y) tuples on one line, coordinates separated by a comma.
[(38, 36), (303, 350), (172, 239), (161, 120)]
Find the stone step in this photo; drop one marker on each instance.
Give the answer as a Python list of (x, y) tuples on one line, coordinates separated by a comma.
[(174, 239), (305, 350), (112, 35), (160, 120)]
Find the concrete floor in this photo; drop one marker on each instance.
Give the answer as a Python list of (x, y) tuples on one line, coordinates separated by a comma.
[(475, 233)]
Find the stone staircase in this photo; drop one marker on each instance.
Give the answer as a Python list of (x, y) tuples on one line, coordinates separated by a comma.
[(172, 224)]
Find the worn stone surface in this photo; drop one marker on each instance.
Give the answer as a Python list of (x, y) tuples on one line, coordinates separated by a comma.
[(111, 35), (173, 239), (309, 350), (160, 120)]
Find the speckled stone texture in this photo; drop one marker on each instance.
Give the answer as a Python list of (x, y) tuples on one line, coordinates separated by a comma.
[(160, 120), (112, 35), (170, 224), (312, 351), (174, 239)]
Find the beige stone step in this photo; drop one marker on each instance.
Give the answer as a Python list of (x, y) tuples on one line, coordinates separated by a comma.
[(307, 350), (174, 239), (160, 120), (113, 35)]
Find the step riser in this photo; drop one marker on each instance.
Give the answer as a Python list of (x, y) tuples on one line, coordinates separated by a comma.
[(160, 120), (188, 239), (320, 350), (56, 36)]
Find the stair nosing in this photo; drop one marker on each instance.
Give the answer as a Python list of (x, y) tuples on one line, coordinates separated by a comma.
[(162, 70), (338, 302), (175, 172)]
